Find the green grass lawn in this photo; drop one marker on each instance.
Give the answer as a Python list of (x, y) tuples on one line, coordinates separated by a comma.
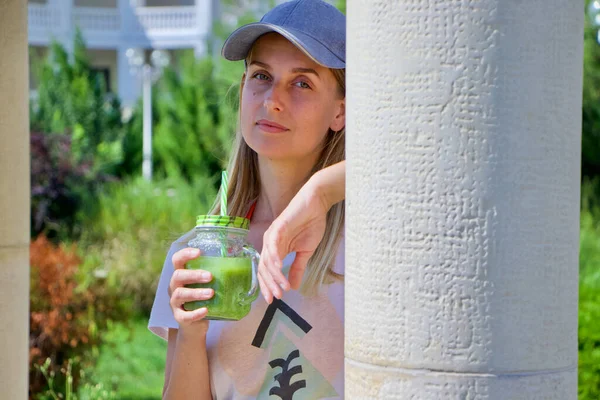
[(132, 362)]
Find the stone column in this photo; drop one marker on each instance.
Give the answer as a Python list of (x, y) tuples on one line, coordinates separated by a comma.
[(463, 146), (14, 200)]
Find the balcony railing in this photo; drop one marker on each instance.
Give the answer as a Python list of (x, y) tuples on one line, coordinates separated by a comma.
[(165, 18), (43, 17), (105, 25), (97, 19)]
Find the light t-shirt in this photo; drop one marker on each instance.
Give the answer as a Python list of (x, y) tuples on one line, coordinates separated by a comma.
[(292, 349)]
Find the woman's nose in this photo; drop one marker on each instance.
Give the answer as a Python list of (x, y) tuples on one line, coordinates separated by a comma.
[(273, 99)]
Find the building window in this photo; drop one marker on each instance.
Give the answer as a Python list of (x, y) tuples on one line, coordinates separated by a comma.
[(103, 72)]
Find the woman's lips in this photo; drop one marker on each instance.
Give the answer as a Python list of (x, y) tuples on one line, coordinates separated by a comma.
[(270, 126)]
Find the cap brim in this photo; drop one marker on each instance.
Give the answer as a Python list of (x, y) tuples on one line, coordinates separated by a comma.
[(239, 43)]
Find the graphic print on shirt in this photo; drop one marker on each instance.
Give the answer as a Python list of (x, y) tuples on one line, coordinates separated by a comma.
[(267, 326), (286, 389), (290, 376)]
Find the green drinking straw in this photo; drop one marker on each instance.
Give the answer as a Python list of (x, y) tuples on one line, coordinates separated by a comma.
[(224, 187)]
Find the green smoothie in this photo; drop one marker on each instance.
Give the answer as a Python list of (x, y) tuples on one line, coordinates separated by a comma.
[(232, 279)]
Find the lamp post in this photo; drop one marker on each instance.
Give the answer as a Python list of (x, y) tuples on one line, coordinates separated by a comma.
[(149, 73)]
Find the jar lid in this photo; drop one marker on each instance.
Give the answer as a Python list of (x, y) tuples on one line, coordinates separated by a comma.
[(223, 221)]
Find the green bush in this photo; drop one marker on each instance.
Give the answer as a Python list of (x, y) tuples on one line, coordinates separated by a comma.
[(589, 294), (75, 141), (60, 385), (591, 100), (131, 361), (128, 237), (195, 120), (58, 186), (73, 99), (194, 111), (65, 317), (589, 315)]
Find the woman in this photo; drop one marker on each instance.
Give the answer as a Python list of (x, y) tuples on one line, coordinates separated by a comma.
[(286, 174)]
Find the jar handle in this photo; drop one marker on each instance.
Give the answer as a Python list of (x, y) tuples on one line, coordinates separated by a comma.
[(252, 294)]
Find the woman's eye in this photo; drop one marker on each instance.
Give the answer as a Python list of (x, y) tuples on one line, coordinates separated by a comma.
[(261, 77), (303, 85)]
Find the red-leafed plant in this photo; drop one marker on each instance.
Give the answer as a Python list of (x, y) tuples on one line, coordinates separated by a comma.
[(65, 317)]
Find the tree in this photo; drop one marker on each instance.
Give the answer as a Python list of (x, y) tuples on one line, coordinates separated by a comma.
[(73, 100), (591, 101), (196, 117), (75, 141)]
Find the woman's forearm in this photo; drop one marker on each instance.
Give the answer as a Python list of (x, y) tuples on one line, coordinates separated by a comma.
[(189, 376), (330, 183)]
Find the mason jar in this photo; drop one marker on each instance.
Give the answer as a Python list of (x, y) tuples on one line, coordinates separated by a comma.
[(232, 261)]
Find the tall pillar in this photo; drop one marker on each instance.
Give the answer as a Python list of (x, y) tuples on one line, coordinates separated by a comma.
[(205, 13), (14, 200), (66, 22), (128, 19), (128, 85), (463, 184)]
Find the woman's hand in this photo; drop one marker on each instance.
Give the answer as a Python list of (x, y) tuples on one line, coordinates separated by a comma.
[(180, 294), (300, 228)]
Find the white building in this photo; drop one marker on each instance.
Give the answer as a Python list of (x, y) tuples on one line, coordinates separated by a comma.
[(110, 27)]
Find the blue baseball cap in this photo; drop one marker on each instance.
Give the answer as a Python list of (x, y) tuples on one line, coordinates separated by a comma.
[(314, 26)]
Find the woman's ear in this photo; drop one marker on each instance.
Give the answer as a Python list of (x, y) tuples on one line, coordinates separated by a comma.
[(339, 121)]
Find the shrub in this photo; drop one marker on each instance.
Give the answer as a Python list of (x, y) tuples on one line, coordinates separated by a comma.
[(589, 298), (129, 236), (86, 391), (591, 100), (73, 100), (194, 120), (76, 142), (58, 317), (589, 333), (59, 186), (65, 317)]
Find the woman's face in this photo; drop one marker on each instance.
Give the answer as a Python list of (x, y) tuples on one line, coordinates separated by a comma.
[(288, 101)]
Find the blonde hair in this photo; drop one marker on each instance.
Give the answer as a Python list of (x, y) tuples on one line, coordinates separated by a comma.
[(244, 188)]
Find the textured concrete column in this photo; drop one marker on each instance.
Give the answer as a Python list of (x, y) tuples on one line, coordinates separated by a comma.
[(14, 200), (463, 190)]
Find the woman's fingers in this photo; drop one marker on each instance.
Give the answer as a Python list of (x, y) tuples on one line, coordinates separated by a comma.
[(180, 294), (182, 277), (270, 258), (269, 287), (183, 295), (273, 266), (264, 289), (183, 256), (186, 317), (272, 289)]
